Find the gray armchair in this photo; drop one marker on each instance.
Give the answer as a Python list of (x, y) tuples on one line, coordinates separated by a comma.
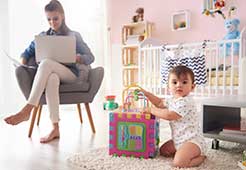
[(75, 93)]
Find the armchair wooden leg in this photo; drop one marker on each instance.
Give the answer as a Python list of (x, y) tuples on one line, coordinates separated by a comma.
[(32, 121), (39, 113), (87, 107), (80, 115)]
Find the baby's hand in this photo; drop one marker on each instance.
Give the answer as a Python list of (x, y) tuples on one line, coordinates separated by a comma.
[(142, 90), (146, 110), (23, 60)]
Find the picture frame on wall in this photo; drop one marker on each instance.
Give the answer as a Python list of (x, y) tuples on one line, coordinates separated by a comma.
[(180, 20)]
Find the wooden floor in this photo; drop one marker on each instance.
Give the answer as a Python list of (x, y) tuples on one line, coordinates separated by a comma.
[(18, 152)]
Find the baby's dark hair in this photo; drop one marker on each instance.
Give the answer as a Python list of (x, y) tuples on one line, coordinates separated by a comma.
[(182, 70)]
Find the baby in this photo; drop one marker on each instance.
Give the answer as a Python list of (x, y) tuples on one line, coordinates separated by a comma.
[(187, 144)]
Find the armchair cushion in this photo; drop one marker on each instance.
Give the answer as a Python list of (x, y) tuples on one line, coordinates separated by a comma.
[(82, 86)]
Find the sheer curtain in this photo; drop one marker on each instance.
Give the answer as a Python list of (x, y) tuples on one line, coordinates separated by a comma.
[(24, 19)]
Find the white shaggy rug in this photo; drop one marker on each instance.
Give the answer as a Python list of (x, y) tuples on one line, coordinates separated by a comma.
[(98, 159)]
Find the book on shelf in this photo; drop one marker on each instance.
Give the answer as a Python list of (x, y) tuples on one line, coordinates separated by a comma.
[(233, 130), (233, 135)]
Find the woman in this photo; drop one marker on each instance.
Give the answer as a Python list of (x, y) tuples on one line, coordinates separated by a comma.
[(51, 73)]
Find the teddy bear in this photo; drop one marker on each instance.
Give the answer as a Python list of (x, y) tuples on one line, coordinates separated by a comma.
[(140, 15), (231, 26)]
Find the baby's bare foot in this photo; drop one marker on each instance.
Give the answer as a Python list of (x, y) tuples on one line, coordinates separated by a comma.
[(54, 134), (17, 118)]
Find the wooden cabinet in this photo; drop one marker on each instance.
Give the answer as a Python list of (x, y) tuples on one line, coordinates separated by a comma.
[(132, 35)]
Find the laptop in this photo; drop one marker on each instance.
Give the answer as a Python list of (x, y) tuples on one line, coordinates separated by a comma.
[(58, 48)]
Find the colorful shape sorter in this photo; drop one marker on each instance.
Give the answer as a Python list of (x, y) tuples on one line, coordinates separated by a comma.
[(133, 134)]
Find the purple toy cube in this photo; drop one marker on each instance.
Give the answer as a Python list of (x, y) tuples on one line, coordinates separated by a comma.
[(133, 134)]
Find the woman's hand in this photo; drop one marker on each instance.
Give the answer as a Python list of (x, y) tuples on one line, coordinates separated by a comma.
[(78, 59), (23, 60)]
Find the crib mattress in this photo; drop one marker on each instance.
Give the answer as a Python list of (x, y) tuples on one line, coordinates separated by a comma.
[(220, 81), (219, 75)]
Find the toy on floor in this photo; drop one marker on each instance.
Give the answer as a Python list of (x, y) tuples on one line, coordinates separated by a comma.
[(110, 104), (242, 163), (132, 131), (129, 105), (244, 158)]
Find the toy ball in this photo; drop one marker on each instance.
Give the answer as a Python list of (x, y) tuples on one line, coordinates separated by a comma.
[(110, 103)]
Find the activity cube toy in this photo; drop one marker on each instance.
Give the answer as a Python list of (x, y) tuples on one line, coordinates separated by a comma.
[(133, 133)]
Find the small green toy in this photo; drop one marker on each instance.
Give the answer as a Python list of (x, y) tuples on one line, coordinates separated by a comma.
[(135, 94), (110, 104)]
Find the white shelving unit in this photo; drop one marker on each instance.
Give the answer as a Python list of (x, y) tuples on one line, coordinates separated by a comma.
[(132, 35)]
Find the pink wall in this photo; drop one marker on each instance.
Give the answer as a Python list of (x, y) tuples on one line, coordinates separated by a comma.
[(159, 12)]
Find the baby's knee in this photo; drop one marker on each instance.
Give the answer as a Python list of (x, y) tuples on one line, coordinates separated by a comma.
[(180, 162), (164, 152)]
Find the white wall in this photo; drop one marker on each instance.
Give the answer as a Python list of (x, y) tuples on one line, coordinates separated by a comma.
[(3, 13), (7, 88)]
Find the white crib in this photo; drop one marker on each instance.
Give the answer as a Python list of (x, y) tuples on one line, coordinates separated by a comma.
[(226, 73)]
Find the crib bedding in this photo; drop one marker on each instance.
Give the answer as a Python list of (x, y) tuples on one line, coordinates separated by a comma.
[(220, 72), (212, 75), (220, 81)]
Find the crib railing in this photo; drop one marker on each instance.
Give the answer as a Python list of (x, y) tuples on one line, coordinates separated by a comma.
[(222, 65)]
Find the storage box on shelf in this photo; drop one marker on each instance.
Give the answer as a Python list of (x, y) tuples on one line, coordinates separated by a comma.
[(132, 35)]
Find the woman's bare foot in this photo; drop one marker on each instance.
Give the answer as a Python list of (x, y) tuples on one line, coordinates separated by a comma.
[(54, 134), (21, 116)]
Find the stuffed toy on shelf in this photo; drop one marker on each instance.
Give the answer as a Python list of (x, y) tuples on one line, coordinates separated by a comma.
[(231, 26), (140, 15)]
